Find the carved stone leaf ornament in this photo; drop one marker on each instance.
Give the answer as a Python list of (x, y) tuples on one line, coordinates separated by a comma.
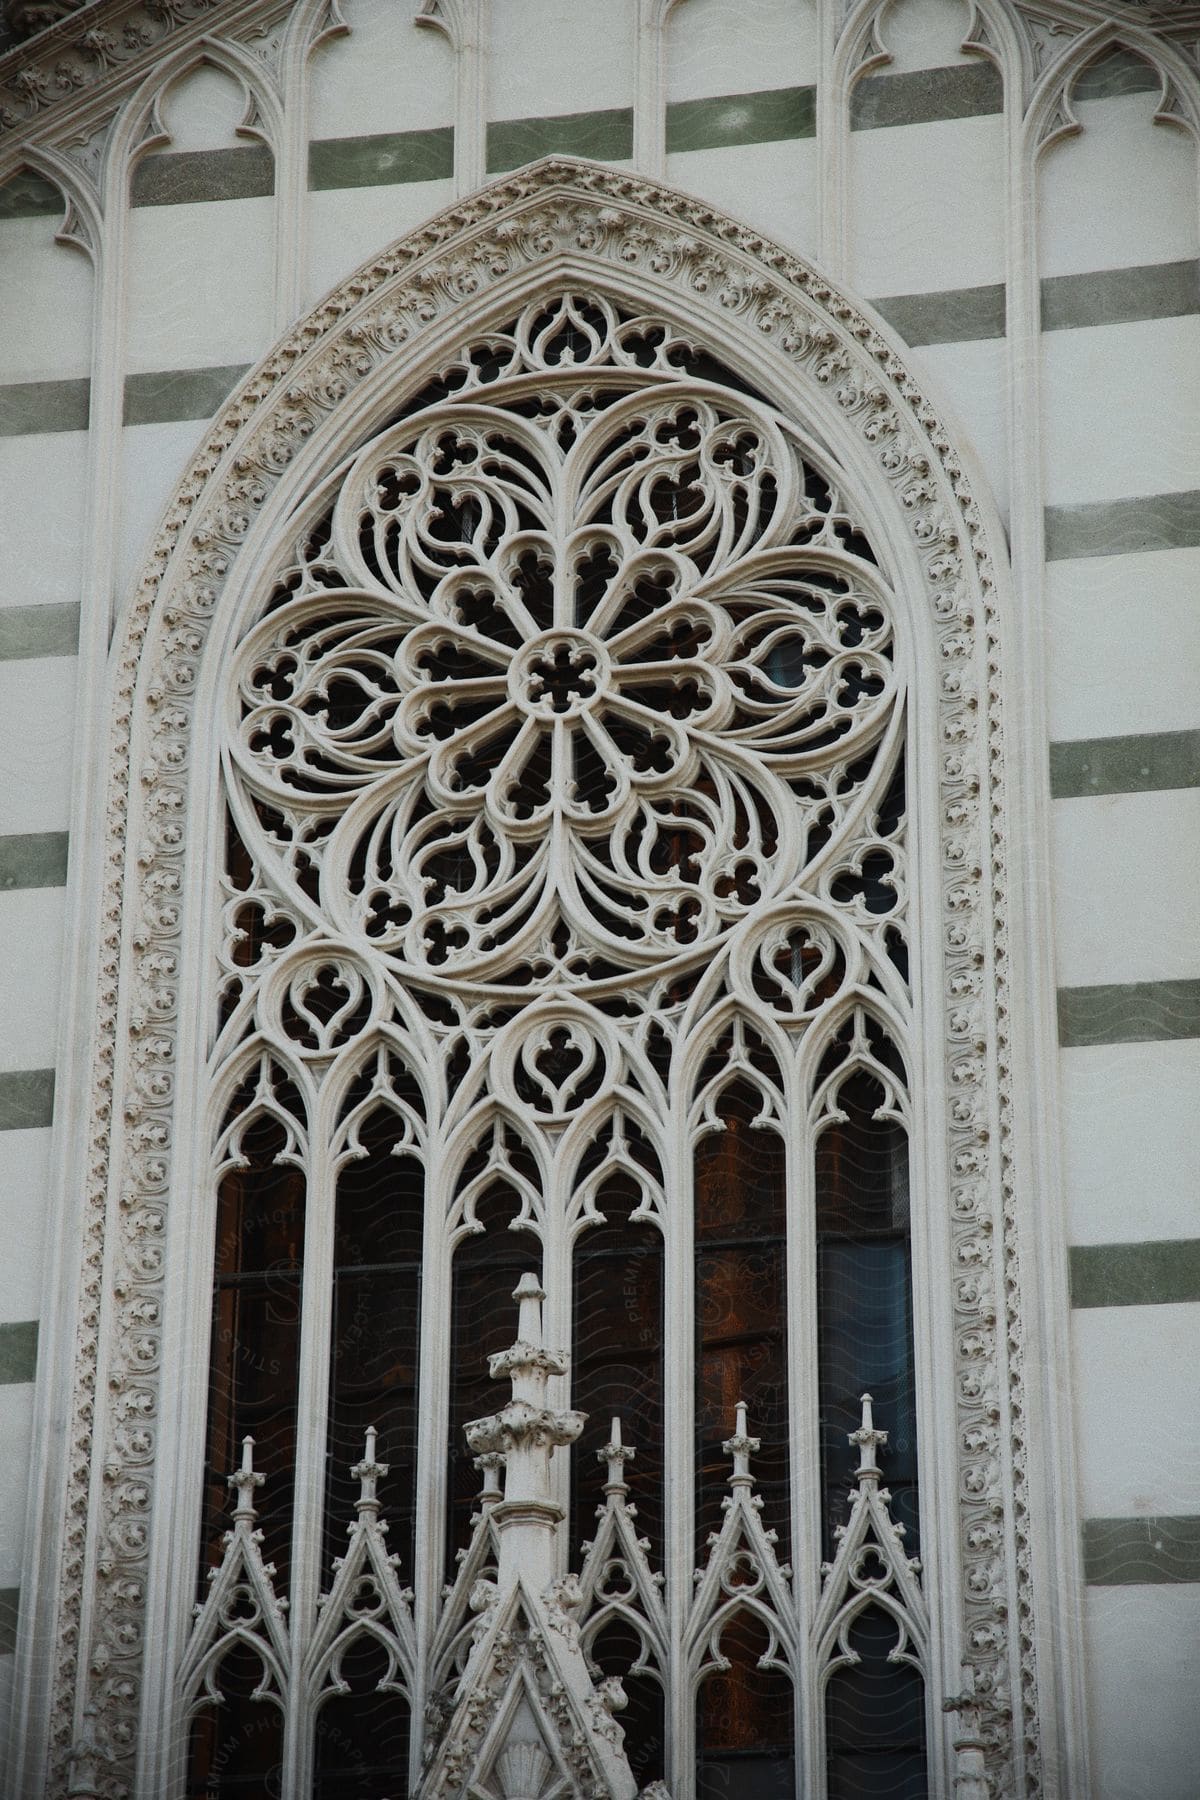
[(562, 614)]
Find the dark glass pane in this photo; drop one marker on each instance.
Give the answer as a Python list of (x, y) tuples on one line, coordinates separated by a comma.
[(617, 1370), (864, 1302), (786, 663), (744, 1721), (741, 1309), (875, 1719), (483, 1320), (617, 1361), (361, 1749), (376, 1324), (255, 1341), (643, 1721), (236, 1749)]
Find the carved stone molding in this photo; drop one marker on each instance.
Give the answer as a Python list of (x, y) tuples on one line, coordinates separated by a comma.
[(74, 72), (574, 222), (76, 62)]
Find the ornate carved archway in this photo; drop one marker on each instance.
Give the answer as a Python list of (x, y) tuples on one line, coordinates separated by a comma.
[(560, 227)]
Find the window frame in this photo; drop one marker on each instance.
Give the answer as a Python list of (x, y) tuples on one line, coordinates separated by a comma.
[(829, 364)]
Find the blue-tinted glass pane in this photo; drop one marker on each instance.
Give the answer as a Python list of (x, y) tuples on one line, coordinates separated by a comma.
[(875, 1719), (864, 1301), (866, 1347), (785, 662)]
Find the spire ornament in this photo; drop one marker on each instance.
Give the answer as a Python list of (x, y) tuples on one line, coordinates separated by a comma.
[(242, 1607), (743, 1573), (366, 1600), (526, 1432), (526, 1718), (616, 1581), (870, 1568)]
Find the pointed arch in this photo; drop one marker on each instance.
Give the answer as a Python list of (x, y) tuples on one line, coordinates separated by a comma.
[(139, 127), (346, 369), (1050, 116)]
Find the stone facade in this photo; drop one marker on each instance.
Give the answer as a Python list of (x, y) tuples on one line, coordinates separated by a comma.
[(957, 244)]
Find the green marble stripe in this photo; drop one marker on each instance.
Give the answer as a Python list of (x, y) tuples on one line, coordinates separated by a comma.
[(28, 408), (10, 1599), (923, 96), (1129, 1552), (32, 631), (381, 161), (605, 136), (181, 177), (1162, 1273), (954, 316), (26, 1099), (168, 394), (1121, 296), (1121, 527), (27, 196), (766, 117), (18, 1352), (33, 859), (1138, 764), (1128, 1012), (1120, 72)]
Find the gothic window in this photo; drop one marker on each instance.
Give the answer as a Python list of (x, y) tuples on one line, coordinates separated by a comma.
[(565, 956)]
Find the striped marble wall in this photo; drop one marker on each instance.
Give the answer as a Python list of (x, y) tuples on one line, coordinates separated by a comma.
[(921, 231)]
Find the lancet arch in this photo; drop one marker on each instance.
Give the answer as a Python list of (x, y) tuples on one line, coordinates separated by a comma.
[(780, 418)]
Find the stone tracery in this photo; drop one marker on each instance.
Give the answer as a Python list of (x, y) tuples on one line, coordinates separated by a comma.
[(585, 680), (835, 358), (607, 670)]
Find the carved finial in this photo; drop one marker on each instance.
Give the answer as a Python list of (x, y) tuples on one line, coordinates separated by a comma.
[(868, 1441), (741, 1446), (86, 1755), (526, 1432), (970, 1778), (368, 1472), (529, 1294), (615, 1454), (489, 1466), (245, 1480)]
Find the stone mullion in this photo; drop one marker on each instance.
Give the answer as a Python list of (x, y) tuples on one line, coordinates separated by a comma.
[(312, 1393), (804, 1435), (651, 50), (679, 1380), (426, 1576), (557, 1274), (467, 27)]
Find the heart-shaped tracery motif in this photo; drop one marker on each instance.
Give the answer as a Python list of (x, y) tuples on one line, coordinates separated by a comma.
[(605, 671)]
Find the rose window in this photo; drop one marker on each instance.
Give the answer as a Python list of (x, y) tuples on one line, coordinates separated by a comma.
[(570, 680), (564, 909)]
